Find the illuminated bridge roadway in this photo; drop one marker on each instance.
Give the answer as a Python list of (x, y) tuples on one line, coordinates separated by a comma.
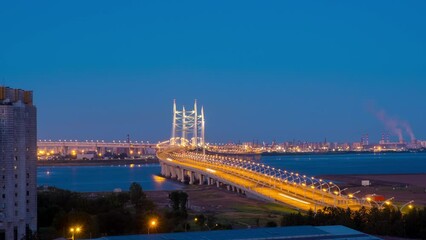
[(253, 179)]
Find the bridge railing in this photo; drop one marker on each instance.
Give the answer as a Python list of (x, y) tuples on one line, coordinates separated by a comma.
[(330, 193)]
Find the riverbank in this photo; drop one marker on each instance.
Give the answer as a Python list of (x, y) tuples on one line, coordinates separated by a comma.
[(115, 162), (227, 207), (337, 153), (404, 187)]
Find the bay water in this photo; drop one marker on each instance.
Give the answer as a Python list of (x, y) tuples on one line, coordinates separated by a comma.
[(108, 178)]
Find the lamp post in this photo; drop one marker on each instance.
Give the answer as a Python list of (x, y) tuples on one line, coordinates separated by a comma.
[(152, 224), (74, 231), (409, 204), (369, 200), (387, 202), (352, 195), (337, 193)]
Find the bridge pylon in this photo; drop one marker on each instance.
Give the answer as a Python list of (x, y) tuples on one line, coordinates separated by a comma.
[(188, 127)]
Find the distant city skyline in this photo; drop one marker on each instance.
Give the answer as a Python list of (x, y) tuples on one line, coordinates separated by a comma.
[(280, 71)]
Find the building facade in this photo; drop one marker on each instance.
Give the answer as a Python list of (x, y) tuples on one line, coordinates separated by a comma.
[(18, 154)]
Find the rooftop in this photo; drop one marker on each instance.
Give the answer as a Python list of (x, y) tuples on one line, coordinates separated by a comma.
[(299, 232)]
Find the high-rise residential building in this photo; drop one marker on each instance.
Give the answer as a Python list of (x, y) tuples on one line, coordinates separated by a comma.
[(18, 154)]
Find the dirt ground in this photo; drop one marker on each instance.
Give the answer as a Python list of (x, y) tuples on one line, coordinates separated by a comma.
[(404, 187), (227, 207), (242, 212)]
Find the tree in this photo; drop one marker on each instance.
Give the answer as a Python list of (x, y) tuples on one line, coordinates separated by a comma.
[(179, 200), (137, 196), (174, 198)]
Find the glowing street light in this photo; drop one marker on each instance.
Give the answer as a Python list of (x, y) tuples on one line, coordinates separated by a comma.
[(74, 231), (370, 200), (352, 195), (152, 224), (409, 204), (387, 202)]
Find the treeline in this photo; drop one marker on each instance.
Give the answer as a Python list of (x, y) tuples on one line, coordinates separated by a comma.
[(385, 222), (110, 214)]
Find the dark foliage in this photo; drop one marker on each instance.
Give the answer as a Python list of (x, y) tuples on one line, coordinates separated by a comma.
[(385, 222), (108, 214)]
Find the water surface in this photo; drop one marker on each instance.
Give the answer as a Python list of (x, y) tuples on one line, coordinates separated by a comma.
[(108, 178)]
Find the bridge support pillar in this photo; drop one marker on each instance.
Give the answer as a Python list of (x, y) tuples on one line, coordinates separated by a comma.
[(169, 171), (177, 172), (228, 188), (191, 177), (172, 172), (217, 184), (162, 169), (201, 179), (182, 174), (233, 188)]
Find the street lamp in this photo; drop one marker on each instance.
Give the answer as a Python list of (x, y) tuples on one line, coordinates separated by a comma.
[(152, 224), (369, 200), (387, 202), (74, 231), (352, 195), (409, 204), (339, 192)]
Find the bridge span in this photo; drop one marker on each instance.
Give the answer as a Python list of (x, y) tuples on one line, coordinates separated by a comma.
[(180, 159), (253, 179)]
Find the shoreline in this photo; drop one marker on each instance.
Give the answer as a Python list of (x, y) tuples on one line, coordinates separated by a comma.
[(404, 187), (63, 163), (335, 153)]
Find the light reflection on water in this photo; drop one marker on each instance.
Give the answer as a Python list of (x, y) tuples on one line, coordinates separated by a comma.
[(107, 178)]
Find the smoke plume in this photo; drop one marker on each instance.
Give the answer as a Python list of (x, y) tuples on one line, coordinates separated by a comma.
[(390, 123), (394, 125), (409, 131)]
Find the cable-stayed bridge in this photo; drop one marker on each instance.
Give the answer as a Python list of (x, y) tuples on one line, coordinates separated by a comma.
[(184, 159)]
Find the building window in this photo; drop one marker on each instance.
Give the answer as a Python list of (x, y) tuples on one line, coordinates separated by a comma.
[(16, 158), (3, 195), (28, 193)]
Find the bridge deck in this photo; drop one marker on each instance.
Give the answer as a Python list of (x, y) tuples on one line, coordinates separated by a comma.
[(260, 184)]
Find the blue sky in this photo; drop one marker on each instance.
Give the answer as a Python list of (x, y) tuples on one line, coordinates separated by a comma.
[(266, 70)]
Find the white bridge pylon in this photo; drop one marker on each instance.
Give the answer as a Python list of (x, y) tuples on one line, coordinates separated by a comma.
[(188, 127)]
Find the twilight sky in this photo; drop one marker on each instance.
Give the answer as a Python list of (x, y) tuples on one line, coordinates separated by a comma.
[(263, 70)]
